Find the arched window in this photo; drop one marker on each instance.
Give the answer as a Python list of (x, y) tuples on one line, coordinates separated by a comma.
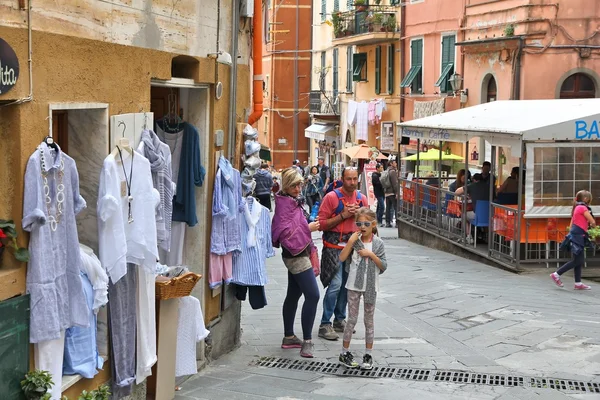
[(578, 86), (491, 90)]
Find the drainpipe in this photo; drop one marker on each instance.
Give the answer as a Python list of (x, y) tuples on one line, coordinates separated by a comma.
[(29, 58), (402, 57), (257, 95), (517, 87), (296, 78), (235, 22)]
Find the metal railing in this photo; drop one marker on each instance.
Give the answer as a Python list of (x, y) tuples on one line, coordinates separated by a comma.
[(323, 102), (363, 19), (509, 236)]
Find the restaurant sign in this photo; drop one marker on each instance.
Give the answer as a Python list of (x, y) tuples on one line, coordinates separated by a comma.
[(9, 67), (586, 131)]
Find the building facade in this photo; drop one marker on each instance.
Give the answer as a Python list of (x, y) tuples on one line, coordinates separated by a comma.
[(80, 66), (286, 85)]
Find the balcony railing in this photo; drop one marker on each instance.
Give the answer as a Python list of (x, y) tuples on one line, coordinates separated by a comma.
[(323, 102), (364, 19)]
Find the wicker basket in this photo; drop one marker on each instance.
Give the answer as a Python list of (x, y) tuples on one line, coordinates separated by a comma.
[(177, 287)]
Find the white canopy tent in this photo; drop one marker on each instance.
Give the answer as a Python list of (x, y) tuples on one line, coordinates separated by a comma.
[(508, 123)]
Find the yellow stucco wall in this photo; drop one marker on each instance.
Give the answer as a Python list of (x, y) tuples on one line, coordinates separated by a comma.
[(70, 69)]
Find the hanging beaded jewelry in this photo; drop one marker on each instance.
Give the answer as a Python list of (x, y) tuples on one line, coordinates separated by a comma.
[(54, 220)]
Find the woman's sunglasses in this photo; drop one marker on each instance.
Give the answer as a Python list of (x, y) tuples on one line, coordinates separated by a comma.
[(365, 224)]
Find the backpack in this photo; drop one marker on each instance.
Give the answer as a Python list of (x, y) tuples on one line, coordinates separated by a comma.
[(334, 185), (386, 183), (341, 204)]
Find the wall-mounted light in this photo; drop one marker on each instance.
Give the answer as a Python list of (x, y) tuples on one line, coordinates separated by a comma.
[(448, 151), (456, 82), (502, 158)]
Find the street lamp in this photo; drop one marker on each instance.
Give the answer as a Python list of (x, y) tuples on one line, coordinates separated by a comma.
[(456, 82)]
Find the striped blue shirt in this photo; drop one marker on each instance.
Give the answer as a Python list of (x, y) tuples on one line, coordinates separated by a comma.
[(249, 267)]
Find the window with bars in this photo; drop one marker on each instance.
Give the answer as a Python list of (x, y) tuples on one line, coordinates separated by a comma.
[(414, 77), (335, 73), (390, 68), (349, 70), (447, 67), (323, 10), (377, 69), (559, 172)]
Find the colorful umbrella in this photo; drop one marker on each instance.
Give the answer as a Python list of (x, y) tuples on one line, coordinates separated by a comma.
[(433, 155), (363, 152)]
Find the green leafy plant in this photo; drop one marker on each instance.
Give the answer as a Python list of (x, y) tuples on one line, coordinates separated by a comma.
[(102, 393), (360, 2), (377, 18), (509, 30), (390, 23), (36, 385), (336, 20), (85, 395), (8, 239), (594, 233)]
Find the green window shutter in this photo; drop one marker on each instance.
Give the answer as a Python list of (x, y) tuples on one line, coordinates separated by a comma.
[(377, 69), (359, 61), (349, 69), (416, 49), (14, 346), (335, 72), (391, 54), (447, 68), (322, 72), (336, 5), (323, 10), (416, 78)]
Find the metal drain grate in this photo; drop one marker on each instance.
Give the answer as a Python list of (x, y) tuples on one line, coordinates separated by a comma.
[(434, 375)]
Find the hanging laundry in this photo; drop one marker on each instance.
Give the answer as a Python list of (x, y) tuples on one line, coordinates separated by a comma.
[(380, 106), (371, 112), (428, 108), (362, 121)]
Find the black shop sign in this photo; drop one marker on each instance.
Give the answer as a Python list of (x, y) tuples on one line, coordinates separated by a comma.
[(9, 67)]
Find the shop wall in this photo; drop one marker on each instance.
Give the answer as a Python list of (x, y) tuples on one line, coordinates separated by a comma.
[(183, 27)]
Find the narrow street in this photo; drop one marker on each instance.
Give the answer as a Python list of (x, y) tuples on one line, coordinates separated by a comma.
[(436, 311)]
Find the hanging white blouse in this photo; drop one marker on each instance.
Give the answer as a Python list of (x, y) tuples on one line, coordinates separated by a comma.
[(122, 242)]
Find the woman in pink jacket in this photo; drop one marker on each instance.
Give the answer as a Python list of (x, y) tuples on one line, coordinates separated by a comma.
[(292, 232)]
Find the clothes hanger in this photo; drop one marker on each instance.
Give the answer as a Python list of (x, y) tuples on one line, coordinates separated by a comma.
[(123, 142), (50, 142)]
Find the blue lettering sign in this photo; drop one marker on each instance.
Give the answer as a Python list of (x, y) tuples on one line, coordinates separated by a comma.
[(583, 131)]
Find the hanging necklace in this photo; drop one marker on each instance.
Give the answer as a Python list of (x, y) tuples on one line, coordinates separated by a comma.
[(54, 220), (128, 182)]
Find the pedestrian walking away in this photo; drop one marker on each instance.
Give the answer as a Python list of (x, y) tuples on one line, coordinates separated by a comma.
[(581, 220), (391, 192), (336, 216), (292, 232), (264, 184), (324, 173), (366, 253), (379, 192)]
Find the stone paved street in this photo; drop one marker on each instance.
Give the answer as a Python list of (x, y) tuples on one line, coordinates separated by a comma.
[(435, 311)]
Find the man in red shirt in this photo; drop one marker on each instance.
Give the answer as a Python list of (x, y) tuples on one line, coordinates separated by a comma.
[(336, 217)]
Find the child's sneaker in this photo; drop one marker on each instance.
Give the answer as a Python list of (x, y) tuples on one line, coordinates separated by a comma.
[(367, 363), (347, 360), (556, 278), (582, 286)]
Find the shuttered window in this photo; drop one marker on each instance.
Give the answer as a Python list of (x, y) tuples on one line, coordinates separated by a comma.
[(350, 4), (377, 69), (323, 10), (335, 73), (447, 67), (414, 77), (391, 54), (359, 64), (336, 5), (349, 69)]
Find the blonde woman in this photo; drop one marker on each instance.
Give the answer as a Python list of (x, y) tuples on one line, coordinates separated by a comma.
[(292, 232)]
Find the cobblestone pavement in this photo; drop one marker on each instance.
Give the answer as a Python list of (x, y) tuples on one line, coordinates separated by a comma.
[(435, 311)]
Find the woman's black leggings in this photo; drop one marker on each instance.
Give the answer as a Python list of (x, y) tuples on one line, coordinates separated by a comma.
[(576, 264), (300, 284)]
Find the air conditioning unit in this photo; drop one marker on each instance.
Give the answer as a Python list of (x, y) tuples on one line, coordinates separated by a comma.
[(247, 8)]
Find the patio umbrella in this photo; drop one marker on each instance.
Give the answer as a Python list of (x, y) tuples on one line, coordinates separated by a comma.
[(433, 155), (361, 151)]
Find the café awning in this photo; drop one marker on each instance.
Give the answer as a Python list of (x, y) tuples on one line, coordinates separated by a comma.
[(509, 122), (320, 132)]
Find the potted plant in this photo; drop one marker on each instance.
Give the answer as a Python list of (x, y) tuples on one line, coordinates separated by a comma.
[(360, 5), (36, 385), (377, 20), (8, 238), (390, 23), (336, 20)]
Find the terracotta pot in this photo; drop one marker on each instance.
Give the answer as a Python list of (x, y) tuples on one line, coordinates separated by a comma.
[(361, 8)]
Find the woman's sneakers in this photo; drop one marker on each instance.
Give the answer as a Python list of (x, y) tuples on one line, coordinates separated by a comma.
[(291, 343), (347, 360), (556, 278), (582, 286), (367, 362), (307, 349)]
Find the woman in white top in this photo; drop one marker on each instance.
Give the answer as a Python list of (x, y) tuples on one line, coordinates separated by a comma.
[(367, 254)]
